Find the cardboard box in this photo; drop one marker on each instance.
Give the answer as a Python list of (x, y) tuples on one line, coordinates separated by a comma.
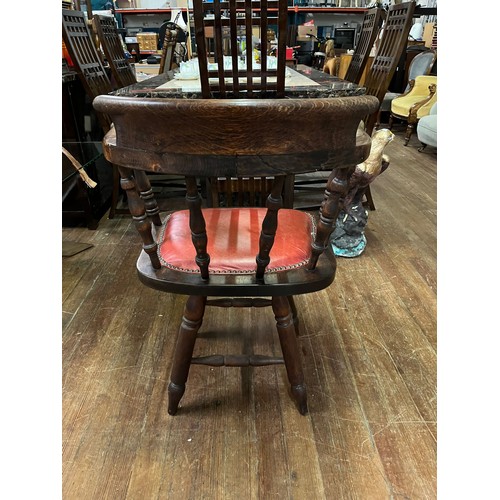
[(303, 31), (147, 41)]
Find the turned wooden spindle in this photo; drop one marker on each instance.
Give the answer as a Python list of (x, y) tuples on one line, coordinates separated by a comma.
[(269, 226), (197, 226), (146, 193), (138, 211), (336, 189)]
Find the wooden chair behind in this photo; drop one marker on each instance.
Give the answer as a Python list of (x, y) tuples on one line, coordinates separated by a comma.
[(369, 31), (234, 79), (111, 43), (95, 81), (83, 53), (393, 43), (245, 191), (394, 40), (167, 50)]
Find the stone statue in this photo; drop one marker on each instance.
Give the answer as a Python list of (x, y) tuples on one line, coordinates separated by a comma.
[(348, 239)]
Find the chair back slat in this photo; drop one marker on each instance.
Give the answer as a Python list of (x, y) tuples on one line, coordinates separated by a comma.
[(394, 40), (111, 43), (369, 30), (235, 72)]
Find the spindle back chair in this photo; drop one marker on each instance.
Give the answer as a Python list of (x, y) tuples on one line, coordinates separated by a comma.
[(83, 53), (239, 257)]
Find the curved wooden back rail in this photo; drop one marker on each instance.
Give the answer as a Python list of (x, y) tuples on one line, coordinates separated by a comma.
[(370, 28), (111, 43)]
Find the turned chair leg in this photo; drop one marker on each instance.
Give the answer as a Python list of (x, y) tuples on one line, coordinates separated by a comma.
[(409, 131), (290, 349), (369, 198), (421, 148), (295, 316), (191, 322), (391, 122), (115, 193)]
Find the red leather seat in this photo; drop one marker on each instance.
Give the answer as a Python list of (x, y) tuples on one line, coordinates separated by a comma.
[(233, 240)]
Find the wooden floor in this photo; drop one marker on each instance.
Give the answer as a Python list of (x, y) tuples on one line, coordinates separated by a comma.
[(369, 351)]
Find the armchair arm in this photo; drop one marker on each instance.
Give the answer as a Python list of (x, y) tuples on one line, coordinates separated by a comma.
[(412, 117)]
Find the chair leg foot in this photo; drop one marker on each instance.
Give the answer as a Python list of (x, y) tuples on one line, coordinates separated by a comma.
[(191, 322), (300, 395), (290, 349), (409, 131), (421, 148), (175, 393)]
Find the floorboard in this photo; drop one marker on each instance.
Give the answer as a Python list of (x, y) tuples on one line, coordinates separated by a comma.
[(368, 345)]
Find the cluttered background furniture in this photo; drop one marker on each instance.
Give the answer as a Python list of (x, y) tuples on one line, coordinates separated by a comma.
[(372, 22), (112, 46), (390, 47), (243, 253), (94, 78), (416, 104), (421, 64)]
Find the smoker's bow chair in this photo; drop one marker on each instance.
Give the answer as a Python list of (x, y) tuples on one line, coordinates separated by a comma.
[(237, 256)]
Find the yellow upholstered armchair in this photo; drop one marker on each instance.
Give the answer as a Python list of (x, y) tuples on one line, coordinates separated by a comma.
[(415, 103)]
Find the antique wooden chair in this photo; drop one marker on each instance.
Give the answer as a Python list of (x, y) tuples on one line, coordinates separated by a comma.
[(111, 43), (240, 257), (370, 28), (392, 44), (394, 39), (95, 81), (240, 75), (167, 50)]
